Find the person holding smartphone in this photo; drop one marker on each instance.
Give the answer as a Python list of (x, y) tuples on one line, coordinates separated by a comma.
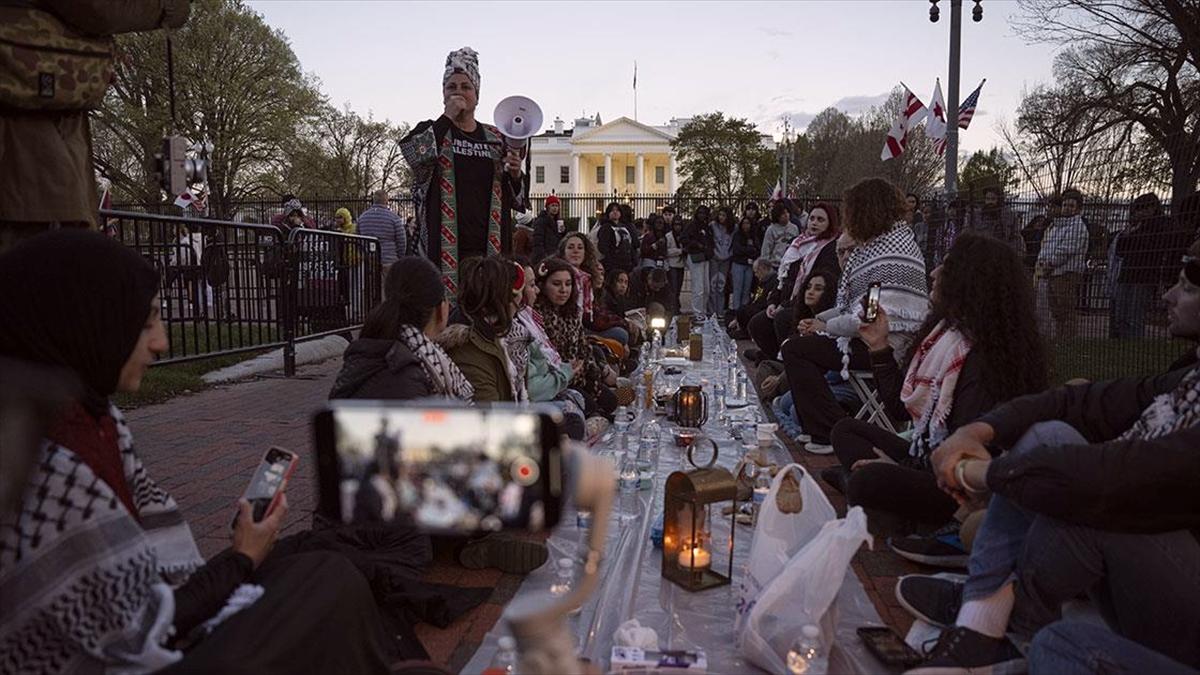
[(98, 569)]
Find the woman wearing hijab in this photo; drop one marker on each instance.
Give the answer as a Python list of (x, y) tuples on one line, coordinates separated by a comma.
[(464, 187), (98, 570)]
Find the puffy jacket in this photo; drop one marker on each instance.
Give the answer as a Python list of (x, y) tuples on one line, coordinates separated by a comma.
[(380, 369), (481, 360)]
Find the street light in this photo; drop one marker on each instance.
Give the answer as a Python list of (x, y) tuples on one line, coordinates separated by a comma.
[(952, 82)]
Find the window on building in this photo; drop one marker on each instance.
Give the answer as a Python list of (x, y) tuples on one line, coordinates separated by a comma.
[(629, 175), (600, 175), (564, 174), (539, 174), (660, 175)]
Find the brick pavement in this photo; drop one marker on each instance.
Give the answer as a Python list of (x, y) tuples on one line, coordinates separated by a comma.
[(203, 448)]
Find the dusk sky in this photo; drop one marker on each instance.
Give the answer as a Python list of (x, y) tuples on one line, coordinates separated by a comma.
[(758, 60)]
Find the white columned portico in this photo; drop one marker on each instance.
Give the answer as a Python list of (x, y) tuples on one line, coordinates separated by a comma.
[(639, 181), (608, 178), (672, 178), (576, 182)]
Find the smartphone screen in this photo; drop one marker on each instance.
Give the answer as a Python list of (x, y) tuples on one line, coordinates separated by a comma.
[(871, 312), (271, 475), (888, 647), (452, 470)]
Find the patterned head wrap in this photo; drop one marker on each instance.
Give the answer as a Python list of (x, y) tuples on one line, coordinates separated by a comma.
[(465, 61)]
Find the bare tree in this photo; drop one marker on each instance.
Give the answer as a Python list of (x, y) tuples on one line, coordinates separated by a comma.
[(1126, 62)]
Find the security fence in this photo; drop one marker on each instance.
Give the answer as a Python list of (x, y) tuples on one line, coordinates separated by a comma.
[(230, 288)]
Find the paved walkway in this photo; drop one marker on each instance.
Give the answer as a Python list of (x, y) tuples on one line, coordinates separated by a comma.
[(204, 447)]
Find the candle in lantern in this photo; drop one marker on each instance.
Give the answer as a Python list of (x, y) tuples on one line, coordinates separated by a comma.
[(695, 557)]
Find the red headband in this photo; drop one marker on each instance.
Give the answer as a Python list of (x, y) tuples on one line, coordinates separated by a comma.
[(519, 282)]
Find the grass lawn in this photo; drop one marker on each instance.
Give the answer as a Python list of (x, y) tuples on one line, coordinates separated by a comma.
[(197, 337), (1104, 359), (162, 383)]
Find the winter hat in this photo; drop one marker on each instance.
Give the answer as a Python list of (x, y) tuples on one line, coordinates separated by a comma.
[(465, 61), (551, 200)]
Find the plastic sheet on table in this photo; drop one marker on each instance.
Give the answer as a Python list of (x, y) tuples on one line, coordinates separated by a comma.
[(631, 585)]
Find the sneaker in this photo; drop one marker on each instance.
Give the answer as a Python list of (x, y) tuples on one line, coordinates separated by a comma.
[(962, 651), (818, 448), (940, 549), (803, 439), (836, 477), (507, 554), (931, 599)]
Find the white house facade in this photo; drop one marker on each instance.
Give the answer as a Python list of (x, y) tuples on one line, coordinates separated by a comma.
[(622, 157)]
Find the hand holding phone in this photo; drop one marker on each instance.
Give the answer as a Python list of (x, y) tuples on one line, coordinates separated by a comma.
[(252, 538), (871, 302), (267, 484)]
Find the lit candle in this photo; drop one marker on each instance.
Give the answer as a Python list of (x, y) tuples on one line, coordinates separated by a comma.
[(694, 554)]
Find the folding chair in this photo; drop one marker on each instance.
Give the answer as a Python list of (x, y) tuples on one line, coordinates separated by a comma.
[(872, 409)]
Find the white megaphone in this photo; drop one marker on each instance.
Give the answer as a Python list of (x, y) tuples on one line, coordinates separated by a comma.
[(518, 118)]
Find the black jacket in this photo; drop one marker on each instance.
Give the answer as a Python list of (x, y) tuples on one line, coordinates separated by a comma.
[(745, 248), (545, 236), (617, 246), (698, 240), (971, 398), (380, 369), (1149, 252), (1122, 485)]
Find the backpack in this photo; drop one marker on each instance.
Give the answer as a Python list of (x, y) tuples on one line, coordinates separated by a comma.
[(44, 65)]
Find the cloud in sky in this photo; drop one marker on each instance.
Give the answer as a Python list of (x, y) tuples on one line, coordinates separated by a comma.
[(775, 32)]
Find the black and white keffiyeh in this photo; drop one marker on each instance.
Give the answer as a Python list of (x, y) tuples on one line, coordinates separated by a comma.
[(1173, 411), (86, 586), (444, 376), (894, 260), (516, 347)]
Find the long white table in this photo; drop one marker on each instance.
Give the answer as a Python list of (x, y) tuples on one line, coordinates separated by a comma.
[(631, 584)]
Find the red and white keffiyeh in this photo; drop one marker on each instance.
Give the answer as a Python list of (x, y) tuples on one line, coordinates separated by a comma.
[(803, 251), (928, 391)]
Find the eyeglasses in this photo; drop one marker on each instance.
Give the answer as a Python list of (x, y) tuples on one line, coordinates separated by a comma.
[(1191, 269)]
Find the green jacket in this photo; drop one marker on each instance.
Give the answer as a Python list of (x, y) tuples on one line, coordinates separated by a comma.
[(481, 360), (544, 380)]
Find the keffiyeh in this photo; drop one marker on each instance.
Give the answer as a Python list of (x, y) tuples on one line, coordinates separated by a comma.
[(445, 377), (928, 390)]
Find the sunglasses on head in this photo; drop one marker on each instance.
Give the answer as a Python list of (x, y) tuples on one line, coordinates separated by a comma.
[(1191, 269)]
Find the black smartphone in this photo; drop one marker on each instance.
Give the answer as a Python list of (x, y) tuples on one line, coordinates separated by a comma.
[(888, 647), (871, 302), (449, 469), (268, 481)]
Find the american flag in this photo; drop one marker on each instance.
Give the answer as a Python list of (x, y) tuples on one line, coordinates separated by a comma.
[(967, 110)]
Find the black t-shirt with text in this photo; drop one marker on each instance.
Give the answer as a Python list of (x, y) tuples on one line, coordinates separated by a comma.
[(473, 173)]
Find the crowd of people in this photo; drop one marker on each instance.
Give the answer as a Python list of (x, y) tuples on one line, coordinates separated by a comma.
[(1045, 495)]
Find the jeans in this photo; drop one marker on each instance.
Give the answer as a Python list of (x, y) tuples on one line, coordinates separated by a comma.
[(1129, 305), (1082, 648), (718, 283), (743, 279), (699, 272)]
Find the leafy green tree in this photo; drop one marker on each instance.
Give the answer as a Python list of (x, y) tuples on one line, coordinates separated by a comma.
[(238, 85), (985, 170), (723, 157)]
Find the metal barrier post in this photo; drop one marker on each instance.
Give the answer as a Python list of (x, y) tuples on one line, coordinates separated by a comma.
[(287, 314)]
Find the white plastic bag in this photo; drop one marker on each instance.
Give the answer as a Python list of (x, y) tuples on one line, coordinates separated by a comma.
[(778, 536), (803, 593)]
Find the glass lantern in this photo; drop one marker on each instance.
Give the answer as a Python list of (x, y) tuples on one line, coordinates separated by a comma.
[(694, 557)]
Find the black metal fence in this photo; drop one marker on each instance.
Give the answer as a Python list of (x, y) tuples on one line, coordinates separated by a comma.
[(230, 288)]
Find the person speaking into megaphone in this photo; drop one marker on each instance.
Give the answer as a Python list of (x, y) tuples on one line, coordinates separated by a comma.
[(465, 180)]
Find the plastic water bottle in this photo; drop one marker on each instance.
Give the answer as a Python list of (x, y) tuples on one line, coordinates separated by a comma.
[(808, 655), (564, 575), (505, 660), (629, 475)]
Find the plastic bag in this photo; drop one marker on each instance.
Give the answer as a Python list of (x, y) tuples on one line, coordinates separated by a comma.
[(778, 536), (803, 593)]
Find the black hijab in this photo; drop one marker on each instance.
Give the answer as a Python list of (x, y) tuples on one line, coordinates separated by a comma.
[(78, 300)]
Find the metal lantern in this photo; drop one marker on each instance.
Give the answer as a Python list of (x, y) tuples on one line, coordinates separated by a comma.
[(692, 556), (690, 406)]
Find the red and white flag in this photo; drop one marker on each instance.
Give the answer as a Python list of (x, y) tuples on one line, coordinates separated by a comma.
[(777, 193), (913, 113), (935, 128)]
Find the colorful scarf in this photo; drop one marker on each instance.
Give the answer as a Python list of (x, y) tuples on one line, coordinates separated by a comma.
[(583, 281), (928, 390), (444, 376), (87, 587), (1170, 412), (804, 249), (434, 161), (532, 320), (516, 347)]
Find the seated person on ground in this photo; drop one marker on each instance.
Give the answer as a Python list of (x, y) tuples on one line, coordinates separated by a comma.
[(548, 376), (487, 295), (581, 253), (886, 254), (978, 347), (98, 570), (654, 288), (817, 296), (606, 322), (1096, 494), (765, 279)]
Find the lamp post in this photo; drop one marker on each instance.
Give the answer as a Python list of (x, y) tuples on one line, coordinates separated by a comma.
[(952, 83), (785, 155)]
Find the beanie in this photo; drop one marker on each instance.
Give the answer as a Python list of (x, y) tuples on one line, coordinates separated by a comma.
[(551, 200)]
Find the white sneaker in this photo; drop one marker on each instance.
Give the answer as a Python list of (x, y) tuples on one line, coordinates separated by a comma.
[(803, 439), (819, 448)]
